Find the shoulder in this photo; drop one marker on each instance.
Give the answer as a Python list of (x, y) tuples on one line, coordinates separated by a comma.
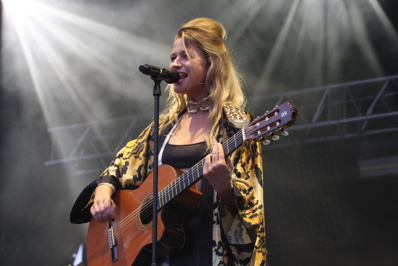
[(236, 116)]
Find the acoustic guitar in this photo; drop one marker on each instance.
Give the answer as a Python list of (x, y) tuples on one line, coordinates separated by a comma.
[(127, 238)]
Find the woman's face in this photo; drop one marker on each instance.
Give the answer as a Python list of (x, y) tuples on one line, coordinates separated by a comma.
[(192, 71)]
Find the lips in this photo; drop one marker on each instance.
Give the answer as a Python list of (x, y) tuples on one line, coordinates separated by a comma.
[(183, 75)]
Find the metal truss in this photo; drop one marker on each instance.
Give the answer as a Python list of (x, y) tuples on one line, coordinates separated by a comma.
[(93, 141), (341, 111), (353, 109)]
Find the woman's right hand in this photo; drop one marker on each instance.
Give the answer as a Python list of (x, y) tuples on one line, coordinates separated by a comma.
[(103, 209)]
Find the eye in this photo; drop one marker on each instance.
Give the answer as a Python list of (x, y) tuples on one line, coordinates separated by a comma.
[(173, 58)]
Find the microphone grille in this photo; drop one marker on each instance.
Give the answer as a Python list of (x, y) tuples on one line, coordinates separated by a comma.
[(144, 69)]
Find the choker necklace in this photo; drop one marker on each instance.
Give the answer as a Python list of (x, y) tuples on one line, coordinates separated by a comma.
[(198, 105)]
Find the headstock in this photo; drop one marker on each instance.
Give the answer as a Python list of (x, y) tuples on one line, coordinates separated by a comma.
[(272, 122)]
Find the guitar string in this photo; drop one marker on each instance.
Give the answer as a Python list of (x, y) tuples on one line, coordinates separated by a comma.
[(145, 208), (134, 213), (178, 181), (172, 187), (147, 211)]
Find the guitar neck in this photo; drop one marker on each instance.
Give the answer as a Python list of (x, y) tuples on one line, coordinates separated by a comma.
[(270, 123), (191, 176)]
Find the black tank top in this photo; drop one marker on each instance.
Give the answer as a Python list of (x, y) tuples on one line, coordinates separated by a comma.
[(197, 250), (183, 156)]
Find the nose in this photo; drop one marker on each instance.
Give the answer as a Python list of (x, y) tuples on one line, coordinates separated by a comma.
[(176, 63)]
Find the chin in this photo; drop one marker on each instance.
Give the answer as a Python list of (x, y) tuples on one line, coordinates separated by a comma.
[(179, 89)]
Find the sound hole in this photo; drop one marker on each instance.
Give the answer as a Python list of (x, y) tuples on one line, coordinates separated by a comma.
[(146, 212), (144, 217)]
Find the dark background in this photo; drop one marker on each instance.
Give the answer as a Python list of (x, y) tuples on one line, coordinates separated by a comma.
[(69, 77)]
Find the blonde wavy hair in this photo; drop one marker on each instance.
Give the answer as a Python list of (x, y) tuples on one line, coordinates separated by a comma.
[(222, 80)]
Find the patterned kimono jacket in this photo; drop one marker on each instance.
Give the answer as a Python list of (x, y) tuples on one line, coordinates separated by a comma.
[(238, 231)]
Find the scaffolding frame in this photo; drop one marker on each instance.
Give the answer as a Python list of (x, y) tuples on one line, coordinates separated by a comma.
[(340, 111)]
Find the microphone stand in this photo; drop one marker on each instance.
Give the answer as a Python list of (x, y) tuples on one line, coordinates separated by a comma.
[(156, 94)]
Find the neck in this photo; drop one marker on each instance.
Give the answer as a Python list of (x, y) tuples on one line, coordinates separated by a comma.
[(202, 105)]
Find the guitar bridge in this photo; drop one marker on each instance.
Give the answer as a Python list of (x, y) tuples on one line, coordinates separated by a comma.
[(112, 241), (111, 238)]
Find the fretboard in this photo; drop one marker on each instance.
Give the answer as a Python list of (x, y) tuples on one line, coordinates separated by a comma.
[(193, 175)]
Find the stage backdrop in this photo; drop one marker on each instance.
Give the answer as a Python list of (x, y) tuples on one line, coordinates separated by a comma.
[(71, 95)]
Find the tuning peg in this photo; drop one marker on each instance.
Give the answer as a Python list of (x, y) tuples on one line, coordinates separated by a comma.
[(266, 142), (275, 137), (285, 133)]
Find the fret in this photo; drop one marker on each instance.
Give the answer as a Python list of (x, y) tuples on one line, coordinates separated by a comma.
[(176, 184), (171, 193), (187, 182), (191, 175), (189, 178), (235, 142), (225, 148), (165, 194), (184, 182), (180, 183), (168, 198), (198, 172), (160, 200)]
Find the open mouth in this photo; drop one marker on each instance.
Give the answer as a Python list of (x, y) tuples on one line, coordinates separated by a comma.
[(183, 75)]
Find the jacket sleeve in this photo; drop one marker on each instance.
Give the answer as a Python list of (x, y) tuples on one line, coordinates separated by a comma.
[(80, 212), (128, 170), (115, 174), (243, 224)]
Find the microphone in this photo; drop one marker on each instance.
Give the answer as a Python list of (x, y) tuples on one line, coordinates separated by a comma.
[(168, 75)]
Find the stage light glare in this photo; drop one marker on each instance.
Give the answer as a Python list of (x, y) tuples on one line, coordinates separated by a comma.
[(19, 6), (20, 10)]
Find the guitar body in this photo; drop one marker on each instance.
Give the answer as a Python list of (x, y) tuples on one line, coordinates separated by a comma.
[(133, 232)]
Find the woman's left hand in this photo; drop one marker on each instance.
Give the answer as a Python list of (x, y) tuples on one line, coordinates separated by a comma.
[(217, 172)]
